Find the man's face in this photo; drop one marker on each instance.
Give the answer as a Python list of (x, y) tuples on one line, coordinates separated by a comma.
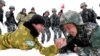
[(24, 11), (32, 10), (83, 7), (71, 29), (39, 27), (46, 14), (12, 9)]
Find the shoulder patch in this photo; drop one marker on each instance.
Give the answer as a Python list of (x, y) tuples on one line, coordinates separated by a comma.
[(30, 43)]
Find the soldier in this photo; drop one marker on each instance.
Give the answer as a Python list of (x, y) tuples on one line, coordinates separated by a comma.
[(2, 4), (25, 37), (55, 23), (61, 26), (47, 26), (88, 15), (21, 16), (10, 19), (83, 38), (30, 14)]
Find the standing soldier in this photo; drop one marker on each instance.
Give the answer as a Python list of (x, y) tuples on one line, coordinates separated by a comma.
[(88, 15), (30, 14), (61, 26), (10, 19), (2, 4), (47, 26), (55, 23), (21, 16)]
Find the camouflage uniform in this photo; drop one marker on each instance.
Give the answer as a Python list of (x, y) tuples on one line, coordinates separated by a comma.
[(55, 25), (87, 38), (21, 18), (1, 18), (46, 30), (88, 15), (1, 12), (23, 39), (10, 21), (61, 26), (70, 16), (29, 16)]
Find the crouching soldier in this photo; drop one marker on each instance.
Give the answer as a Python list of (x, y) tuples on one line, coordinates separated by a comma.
[(25, 37), (83, 39)]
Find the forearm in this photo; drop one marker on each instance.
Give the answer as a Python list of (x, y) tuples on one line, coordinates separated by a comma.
[(49, 51)]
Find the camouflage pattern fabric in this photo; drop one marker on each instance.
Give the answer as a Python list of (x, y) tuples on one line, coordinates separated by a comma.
[(71, 16), (22, 39)]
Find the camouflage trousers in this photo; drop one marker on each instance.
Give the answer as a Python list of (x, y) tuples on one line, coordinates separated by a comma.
[(11, 27), (56, 31), (88, 51), (47, 31)]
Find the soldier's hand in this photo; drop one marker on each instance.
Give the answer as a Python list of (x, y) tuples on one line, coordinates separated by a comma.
[(60, 42)]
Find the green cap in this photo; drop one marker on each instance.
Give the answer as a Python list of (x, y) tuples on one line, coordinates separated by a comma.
[(71, 17)]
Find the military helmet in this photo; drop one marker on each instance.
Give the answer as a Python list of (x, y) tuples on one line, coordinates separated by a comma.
[(46, 11), (2, 2), (32, 8), (11, 7), (54, 10), (83, 4), (71, 17)]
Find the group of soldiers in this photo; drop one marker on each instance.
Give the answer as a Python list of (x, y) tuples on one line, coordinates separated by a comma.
[(54, 21)]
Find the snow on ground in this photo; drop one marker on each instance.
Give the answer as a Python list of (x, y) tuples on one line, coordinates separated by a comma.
[(33, 52)]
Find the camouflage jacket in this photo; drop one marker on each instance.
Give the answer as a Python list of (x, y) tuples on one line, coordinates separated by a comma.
[(55, 20), (1, 15), (47, 21), (21, 17), (29, 16), (22, 39), (88, 36), (10, 19), (88, 15)]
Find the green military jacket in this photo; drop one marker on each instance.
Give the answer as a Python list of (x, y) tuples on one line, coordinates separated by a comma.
[(22, 39), (95, 37), (29, 16), (21, 17)]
